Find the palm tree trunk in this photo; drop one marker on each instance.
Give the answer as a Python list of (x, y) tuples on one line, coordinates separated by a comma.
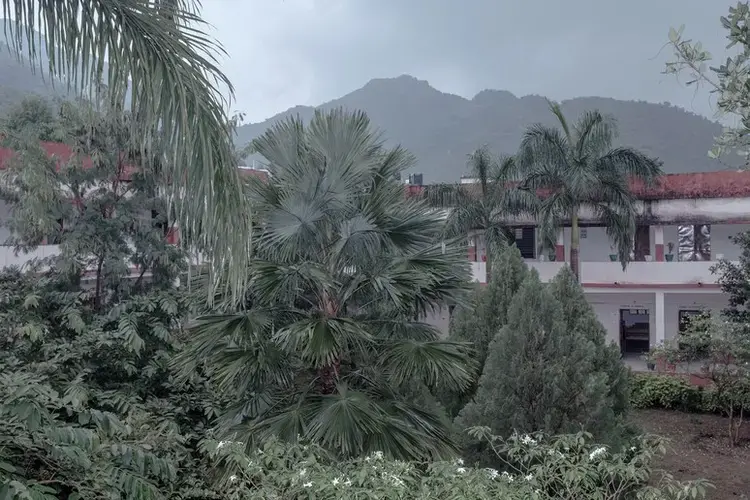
[(575, 243)]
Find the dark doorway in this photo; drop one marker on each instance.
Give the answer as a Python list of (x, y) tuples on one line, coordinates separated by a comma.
[(642, 243), (634, 331)]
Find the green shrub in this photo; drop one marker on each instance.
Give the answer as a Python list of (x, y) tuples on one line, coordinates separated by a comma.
[(568, 467), (673, 393), (664, 391)]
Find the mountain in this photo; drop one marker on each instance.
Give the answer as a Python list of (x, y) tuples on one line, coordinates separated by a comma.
[(441, 129)]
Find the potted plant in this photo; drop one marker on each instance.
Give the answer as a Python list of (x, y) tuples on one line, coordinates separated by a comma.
[(650, 360), (670, 252), (613, 253)]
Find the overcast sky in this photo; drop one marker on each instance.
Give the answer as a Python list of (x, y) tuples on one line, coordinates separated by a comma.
[(287, 52)]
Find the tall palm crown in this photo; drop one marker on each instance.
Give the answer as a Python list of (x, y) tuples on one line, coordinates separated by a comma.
[(486, 204), (158, 54), (575, 168), (327, 347)]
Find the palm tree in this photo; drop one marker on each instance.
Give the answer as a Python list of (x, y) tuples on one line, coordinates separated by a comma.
[(327, 348), (576, 168), (158, 55), (486, 205)]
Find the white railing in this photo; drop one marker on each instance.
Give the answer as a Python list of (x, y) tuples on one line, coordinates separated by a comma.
[(611, 273)]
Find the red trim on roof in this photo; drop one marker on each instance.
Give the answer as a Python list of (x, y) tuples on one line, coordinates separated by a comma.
[(724, 184), (654, 286)]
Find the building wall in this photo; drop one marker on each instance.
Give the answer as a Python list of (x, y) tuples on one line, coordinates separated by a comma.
[(607, 307)]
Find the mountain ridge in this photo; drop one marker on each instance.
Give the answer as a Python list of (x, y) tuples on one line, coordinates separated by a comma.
[(440, 128)]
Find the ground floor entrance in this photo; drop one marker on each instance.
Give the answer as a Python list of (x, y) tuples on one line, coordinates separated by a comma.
[(635, 333)]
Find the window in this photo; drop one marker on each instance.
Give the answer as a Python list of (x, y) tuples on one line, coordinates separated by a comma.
[(584, 233), (686, 316), (694, 242)]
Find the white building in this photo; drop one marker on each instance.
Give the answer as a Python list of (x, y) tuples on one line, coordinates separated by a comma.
[(643, 305)]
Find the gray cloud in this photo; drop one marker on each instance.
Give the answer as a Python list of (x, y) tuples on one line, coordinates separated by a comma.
[(287, 52)]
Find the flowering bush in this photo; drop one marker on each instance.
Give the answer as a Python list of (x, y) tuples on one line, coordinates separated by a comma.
[(566, 467)]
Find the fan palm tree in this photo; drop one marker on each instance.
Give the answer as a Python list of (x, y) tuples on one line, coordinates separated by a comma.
[(573, 168), (158, 55), (327, 348), (486, 205)]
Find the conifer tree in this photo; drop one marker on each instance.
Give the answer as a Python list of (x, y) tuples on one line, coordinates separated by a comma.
[(580, 317), (539, 375), (485, 315)]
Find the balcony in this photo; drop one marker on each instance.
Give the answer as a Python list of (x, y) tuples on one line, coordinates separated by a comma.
[(611, 273)]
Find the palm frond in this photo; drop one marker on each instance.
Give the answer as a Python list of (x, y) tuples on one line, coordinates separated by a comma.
[(436, 363), (631, 163), (159, 54), (557, 111), (543, 149), (481, 164), (594, 134), (620, 227)]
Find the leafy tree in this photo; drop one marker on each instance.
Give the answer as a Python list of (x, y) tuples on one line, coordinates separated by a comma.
[(539, 375), (486, 206), (479, 321), (326, 347), (575, 168), (734, 280), (34, 117), (88, 405), (160, 58), (725, 80)]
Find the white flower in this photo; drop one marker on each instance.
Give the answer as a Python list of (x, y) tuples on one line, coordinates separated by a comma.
[(232, 479), (459, 461), (632, 448), (307, 485), (507, 476), (348, 482), (461, 470), (335, 481), (378, 455), (303, 472), (601, 451), (221, 444), (526, 439), (367, 459), (529, 477), (492, 472)]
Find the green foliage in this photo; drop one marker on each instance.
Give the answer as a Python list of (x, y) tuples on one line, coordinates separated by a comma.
[(327, 346), (726, 80), (580, 317), (665, 391), (485, 314), (562, 468), (88, 404), (535, 364)]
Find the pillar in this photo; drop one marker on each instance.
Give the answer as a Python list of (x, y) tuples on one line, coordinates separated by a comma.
[(660, 328), (659, 243), (560, 246)]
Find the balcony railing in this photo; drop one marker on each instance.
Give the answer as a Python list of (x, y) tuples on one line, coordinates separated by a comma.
[(636, 273)]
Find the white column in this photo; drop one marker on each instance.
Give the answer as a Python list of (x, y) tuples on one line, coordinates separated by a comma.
[(659, 317)]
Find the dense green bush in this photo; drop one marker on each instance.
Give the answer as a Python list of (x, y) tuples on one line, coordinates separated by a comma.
[(673, 393)]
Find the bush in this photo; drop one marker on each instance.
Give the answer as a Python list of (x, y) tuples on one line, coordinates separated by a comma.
[(566, 467), (674, 393)]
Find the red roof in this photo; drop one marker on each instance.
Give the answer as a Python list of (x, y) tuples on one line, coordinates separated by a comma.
[(62, 152), (724, 184), (251, 172)]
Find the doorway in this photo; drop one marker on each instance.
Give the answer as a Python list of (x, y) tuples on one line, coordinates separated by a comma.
[(635, 331)]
